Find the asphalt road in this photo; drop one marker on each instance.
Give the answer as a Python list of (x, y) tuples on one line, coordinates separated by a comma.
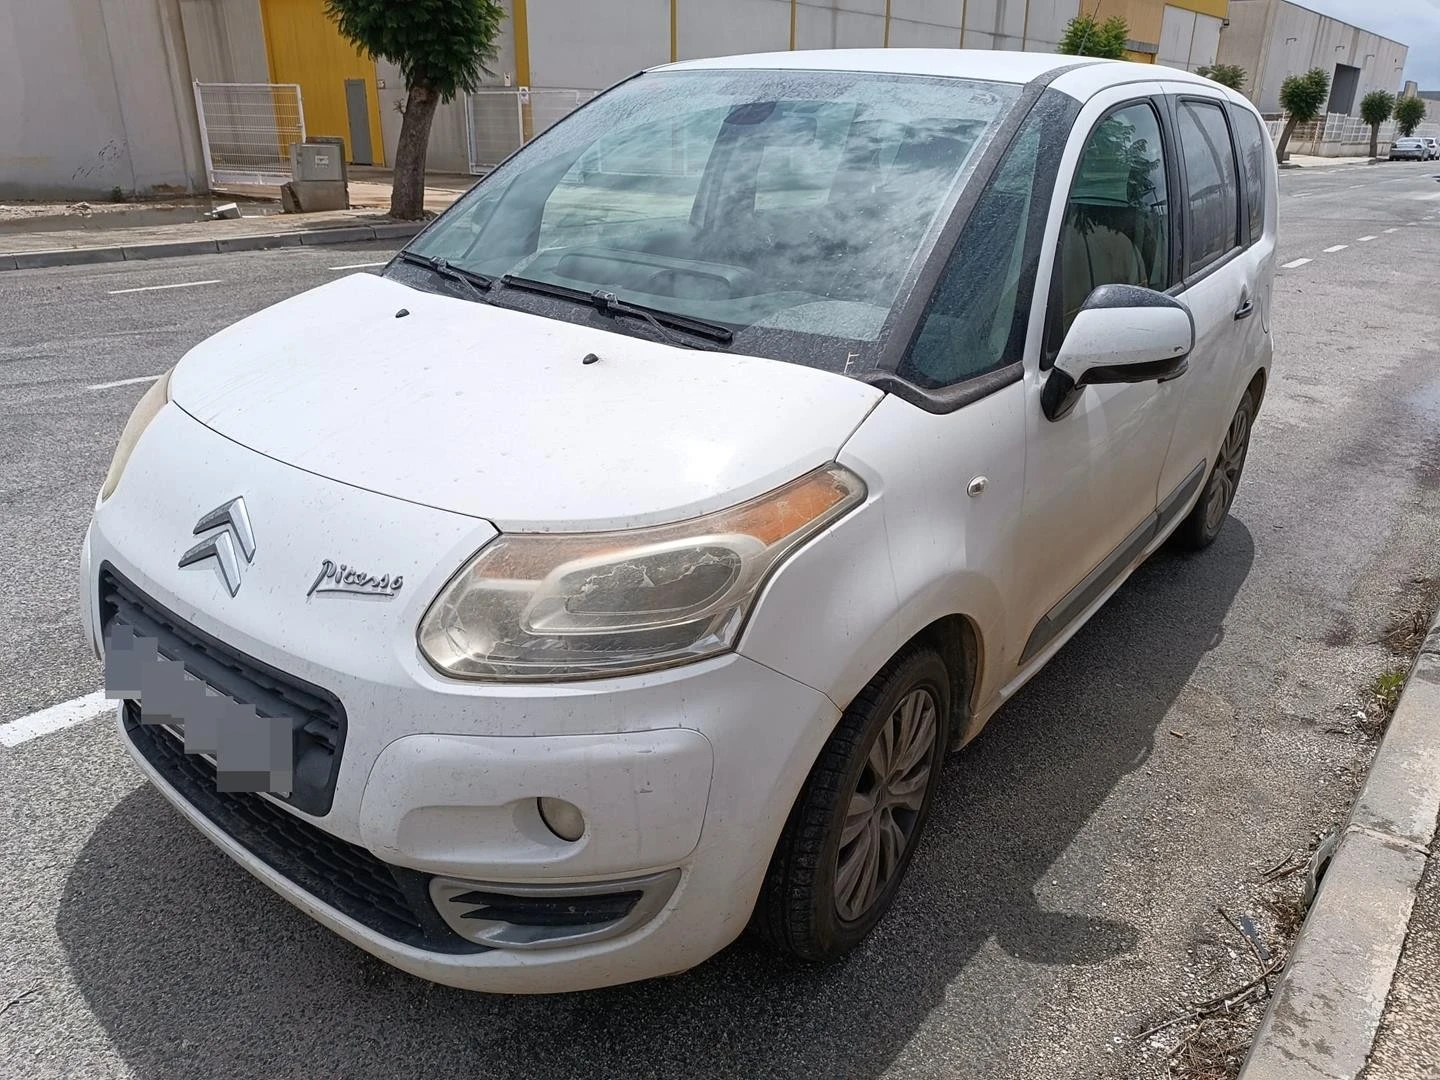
[(1065, 896)]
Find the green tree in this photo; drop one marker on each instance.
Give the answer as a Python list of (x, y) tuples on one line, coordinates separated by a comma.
[(1409, 112), (1302, 96), (1375, 109), (1085, 35), (442, 48), (1231, 75)]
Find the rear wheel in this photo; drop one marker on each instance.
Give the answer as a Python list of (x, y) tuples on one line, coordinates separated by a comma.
[(1203, 525), (851, 833)]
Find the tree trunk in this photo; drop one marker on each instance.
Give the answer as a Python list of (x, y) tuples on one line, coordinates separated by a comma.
[(407, 197), (1374, 141), (1279, 150)]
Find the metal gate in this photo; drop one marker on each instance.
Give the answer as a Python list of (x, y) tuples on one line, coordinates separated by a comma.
[(498, 122), (247, 130)]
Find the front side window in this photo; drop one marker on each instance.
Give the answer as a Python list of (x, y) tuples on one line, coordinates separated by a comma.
[(1214, 207), (787, 206), (1117, 217)]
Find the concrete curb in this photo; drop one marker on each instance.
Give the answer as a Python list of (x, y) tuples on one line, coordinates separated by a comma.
[(336, 234), (1323, 1018)]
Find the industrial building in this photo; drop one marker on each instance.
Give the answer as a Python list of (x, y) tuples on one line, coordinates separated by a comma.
[(1271, 39), (103, 93)]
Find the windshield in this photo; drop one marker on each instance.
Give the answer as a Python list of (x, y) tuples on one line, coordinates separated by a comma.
[(786, 206)]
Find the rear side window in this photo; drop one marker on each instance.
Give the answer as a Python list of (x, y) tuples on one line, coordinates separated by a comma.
[(1214, 208), (1254, 146)]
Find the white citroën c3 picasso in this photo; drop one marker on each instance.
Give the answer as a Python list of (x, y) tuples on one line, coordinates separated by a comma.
[(613, 570)]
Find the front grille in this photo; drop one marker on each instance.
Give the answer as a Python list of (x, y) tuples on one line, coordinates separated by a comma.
[(391, 900), (316, 716)]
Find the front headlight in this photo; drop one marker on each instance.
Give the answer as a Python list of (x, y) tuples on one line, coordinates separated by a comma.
[(566, 606), (146, 411)]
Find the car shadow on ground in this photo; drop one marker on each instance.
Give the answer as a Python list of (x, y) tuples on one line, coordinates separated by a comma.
[(195, 970)]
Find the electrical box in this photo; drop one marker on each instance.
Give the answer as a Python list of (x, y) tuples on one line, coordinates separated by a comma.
[(313, 161)]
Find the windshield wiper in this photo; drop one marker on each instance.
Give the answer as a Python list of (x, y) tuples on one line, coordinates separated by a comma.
[(607, 303), (478, 284)]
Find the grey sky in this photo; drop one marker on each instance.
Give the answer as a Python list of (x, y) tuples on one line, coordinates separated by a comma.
[(1412, 22)]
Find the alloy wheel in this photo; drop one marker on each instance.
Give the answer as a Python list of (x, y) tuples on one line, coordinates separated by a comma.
[(884, 807), (1226, 476)]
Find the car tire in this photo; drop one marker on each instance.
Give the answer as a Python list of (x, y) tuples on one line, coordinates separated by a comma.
[(1204, 522), (852, 831)]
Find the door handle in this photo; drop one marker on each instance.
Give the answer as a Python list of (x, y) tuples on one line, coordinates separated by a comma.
[(1246, 308)]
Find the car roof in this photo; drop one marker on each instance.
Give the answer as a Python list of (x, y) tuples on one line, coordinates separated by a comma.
[(984, 64)]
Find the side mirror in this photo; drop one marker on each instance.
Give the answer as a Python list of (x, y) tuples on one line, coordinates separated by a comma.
[(1123, 334)]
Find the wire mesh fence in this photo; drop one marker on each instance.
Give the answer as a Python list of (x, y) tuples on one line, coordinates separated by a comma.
[(247, 130), (500, 121), (1335, 131)]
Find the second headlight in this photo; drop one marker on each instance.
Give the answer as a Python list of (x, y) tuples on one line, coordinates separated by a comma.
[(543, 606)]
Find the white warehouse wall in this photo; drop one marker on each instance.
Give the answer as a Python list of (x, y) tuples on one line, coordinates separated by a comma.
[(95, 95), (1188, 39)]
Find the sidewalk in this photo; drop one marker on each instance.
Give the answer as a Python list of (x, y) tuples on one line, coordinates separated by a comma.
[(369, 198), (1310, 161), (1408, 1046), (1360, 996)]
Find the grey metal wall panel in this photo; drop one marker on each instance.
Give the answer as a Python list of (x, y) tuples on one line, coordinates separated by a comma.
[(908, 34), (934, 12), (1047, 22), (736, 26), (592, 45)]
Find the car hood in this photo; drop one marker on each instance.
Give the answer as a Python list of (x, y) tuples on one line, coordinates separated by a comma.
[(490, 412)]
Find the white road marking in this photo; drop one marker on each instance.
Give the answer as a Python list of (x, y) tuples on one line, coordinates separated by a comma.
[(159, 288), (1392, 230), (1296, 263), (123, 382), (56, 718), (1303, 194), (1337, 247), (1367, 239), (361, 266)]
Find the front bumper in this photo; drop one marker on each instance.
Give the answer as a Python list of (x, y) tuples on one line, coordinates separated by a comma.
[(684, 777)]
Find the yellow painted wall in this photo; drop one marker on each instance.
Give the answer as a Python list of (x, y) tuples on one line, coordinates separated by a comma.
[(305, 47), (1145, 17)]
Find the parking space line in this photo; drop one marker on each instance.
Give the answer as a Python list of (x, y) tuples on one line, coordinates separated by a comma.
[(56, 718), (1337, 247), (161, 288), (123, 382), (1295, 263), (1366, 239), (1396, 229)]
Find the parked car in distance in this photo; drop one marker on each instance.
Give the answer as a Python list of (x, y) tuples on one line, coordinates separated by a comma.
[(1432, 147), (616, 567), (1409, 149)]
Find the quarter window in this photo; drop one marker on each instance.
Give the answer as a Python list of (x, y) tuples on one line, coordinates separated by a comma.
[(972, 325), (1214, 209), (1254, 145), (1117, 219)]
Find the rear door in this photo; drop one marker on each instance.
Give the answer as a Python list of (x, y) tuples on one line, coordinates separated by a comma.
[(1224, 252)]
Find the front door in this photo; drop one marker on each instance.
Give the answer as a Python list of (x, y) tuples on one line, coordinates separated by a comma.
[(1091, 477)]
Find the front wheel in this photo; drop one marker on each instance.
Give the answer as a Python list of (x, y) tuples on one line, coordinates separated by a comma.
[(852, 831), (1202, 526)]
